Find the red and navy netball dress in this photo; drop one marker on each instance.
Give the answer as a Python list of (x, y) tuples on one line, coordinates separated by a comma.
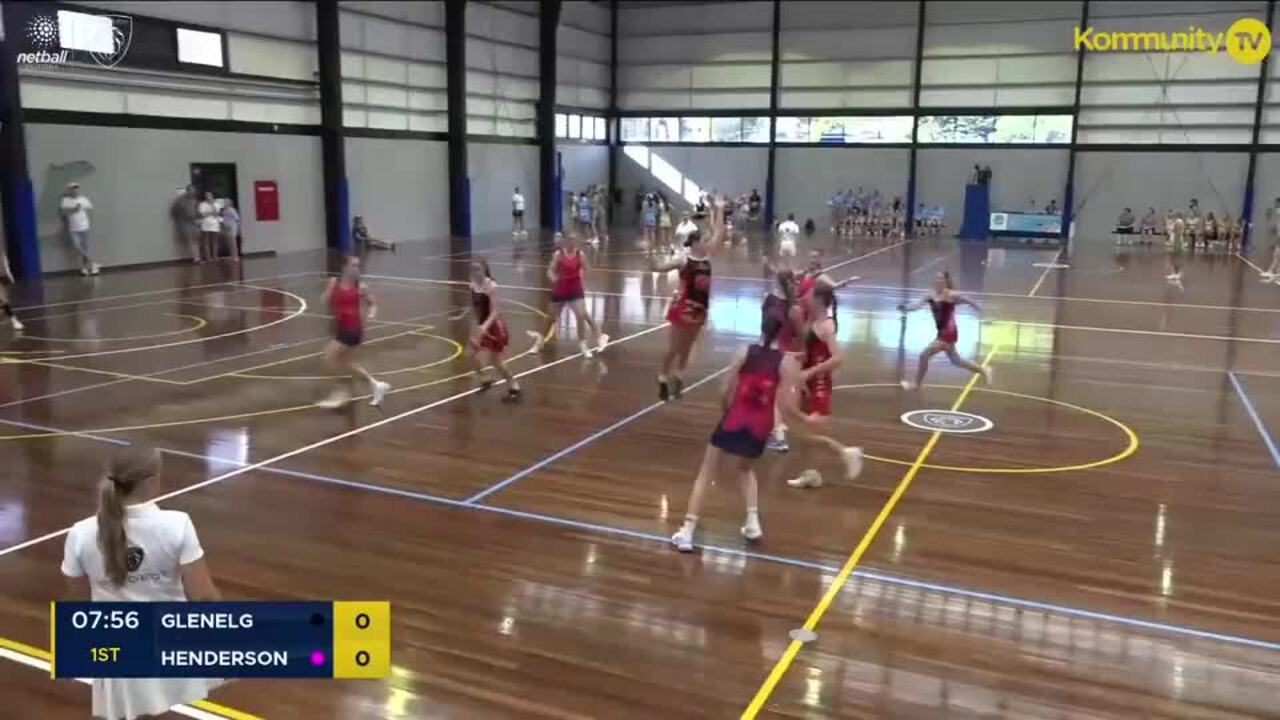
[(818, 399), (689, 309), (944, 316), (778, 308), (495, 339), (744, 430), (348, 321), (568, 286)]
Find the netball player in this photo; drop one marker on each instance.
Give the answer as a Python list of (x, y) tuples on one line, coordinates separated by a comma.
[(687, 314), (7, 317), (350, 304), (664, 228), (942, 302), (133, 551), (761, 378), (782, 304), (490, 332), (821, 357), (650, 222), (567, 274), (585, 225)]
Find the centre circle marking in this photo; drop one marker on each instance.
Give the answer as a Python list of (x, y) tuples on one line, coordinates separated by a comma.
[(1130, 448), (457, 352), (947, 421)]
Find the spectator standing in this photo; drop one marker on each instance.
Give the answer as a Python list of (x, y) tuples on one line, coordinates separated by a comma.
[(210, 227), (231, 230), (75, 213), (186, 221)]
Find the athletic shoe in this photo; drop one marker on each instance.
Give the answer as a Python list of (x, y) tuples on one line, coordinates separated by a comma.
[(751, 529), (336, 399), (602, 342), (1267, 277), (807, 479), (513, 396), (94, 269), (908, 385), (379, 391), (664, 391), (485, 384), (585, 348), (1171, 276), (778, 444), (988, 373), (677, 387), (16, 324), (852, 458), (538, 340), (85, 271), (683, 540)]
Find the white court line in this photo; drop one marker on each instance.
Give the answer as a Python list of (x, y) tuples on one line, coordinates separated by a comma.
[(341, 436), (43, 665), (1249, 262), (1046, 272), (166, 290)]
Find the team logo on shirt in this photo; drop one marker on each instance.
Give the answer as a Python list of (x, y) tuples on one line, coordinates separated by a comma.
[(133, 558), (947, 421)]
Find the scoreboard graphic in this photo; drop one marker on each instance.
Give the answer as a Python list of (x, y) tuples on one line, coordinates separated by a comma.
[(221, 640)]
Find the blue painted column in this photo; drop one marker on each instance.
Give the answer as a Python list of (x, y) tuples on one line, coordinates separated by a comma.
[(16, 191)]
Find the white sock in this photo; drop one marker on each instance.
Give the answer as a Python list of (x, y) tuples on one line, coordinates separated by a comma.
[(690, 524)]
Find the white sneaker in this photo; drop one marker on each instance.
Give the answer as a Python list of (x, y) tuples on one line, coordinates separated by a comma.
[(16, 324), (1171, 276), (336, 399), (988, 373), (683, 540), (586, 349), (751, 528), (807, 479), (94, 269), (852, 458), (379, 391), (1268, 277), (85, 271), (908, 385), (538, 340), (602, 342)]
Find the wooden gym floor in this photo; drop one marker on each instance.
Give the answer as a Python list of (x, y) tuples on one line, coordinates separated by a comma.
[(1106, 550)]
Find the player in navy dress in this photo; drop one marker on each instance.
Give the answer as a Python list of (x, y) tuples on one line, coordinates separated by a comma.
[(942, 301), (761, 376)]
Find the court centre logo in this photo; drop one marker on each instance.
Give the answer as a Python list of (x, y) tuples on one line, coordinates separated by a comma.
[(1248, 41)]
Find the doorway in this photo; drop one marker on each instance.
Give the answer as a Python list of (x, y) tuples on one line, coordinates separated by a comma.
[(217, 178)]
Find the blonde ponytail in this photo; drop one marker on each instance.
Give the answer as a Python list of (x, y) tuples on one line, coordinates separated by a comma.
[(130, 467)]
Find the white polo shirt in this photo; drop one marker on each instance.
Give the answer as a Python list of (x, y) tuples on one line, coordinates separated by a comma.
[(209, 220), (76, 209), (517, 203), (788, 230), (160, 541)]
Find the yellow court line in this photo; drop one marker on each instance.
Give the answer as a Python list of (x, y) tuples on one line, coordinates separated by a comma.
[(457, 352), (40, 654), (302, 308), (200, 325), (1130, 448), (766, 689)]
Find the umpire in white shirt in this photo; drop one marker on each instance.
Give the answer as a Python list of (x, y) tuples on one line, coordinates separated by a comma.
[(75, 215), (133, 551)]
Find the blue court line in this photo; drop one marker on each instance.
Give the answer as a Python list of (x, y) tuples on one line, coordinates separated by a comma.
[(872, 575), (1257, 421), (580, 444)]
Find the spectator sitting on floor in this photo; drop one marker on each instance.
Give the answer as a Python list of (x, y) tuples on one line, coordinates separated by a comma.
[(363, 240)]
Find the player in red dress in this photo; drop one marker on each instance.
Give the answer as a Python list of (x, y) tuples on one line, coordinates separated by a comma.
[(490, 332), (567, 273), (761, 378), (942, 301), (687, 314), (348, 300), (821, 358)]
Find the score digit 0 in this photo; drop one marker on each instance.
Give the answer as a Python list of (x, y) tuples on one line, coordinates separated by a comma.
[(361, 639)]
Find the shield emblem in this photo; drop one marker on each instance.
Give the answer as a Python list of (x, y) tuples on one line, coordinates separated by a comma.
[(121, 36), (133, 558)]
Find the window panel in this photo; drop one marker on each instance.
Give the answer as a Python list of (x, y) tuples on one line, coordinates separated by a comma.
[(793, 129), (575, 126), (562, 125), (696, 130), (635, 129), (602, 129), (1047, 129), (588, 129), (839, 130), (664, 129), (755, 129), (726, 130)]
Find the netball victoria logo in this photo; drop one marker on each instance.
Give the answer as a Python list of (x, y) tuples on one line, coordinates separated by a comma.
[(69, 36)]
